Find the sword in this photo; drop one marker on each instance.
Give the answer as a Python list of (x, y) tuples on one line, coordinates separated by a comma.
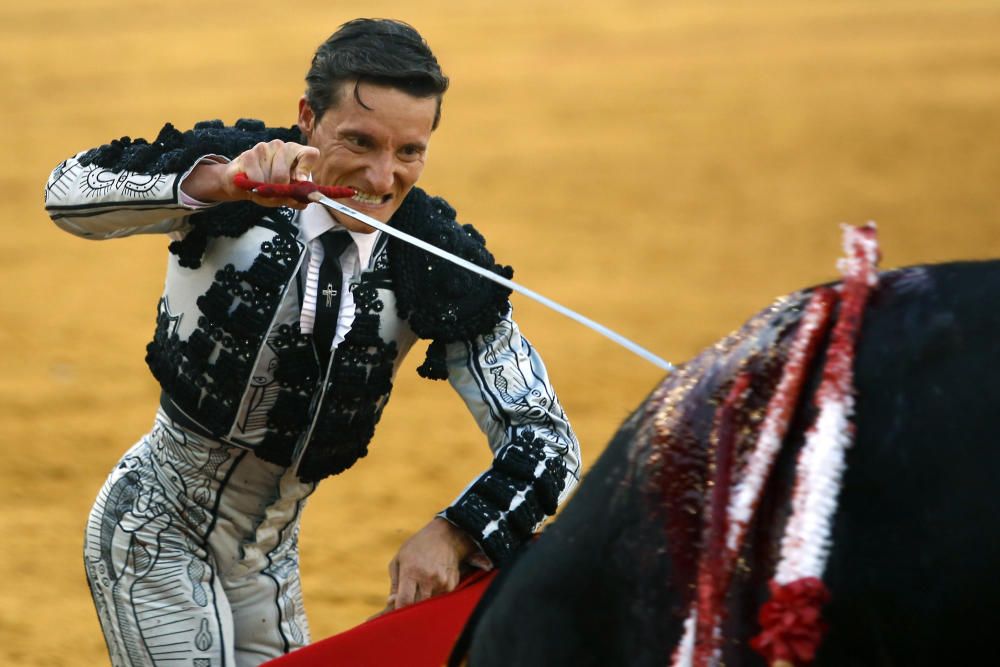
[(316, 195)]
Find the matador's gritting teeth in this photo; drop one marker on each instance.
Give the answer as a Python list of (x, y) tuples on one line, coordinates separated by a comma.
[(366, 198)]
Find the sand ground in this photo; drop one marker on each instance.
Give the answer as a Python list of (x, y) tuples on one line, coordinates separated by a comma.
[(665, 167)]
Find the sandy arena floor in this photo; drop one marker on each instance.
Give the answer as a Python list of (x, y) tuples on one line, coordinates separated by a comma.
[(666, 168)]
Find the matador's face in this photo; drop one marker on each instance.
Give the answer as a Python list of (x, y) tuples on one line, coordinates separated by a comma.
[(377, 145)]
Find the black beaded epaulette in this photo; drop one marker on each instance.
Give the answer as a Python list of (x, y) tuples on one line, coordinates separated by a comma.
[(174, 152), (441, 301)]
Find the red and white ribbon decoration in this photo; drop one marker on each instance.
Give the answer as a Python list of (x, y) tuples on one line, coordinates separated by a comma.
[(791, 629), (790, 621)]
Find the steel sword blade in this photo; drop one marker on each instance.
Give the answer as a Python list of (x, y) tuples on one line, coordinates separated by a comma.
[(489, 275)]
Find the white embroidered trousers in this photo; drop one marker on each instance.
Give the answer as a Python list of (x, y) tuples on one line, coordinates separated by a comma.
[(191, 554)]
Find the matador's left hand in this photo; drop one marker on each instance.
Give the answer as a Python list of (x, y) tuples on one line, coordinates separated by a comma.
[(428, 563)]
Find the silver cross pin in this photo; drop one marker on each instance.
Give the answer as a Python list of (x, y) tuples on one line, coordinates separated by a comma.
[(329, 293)]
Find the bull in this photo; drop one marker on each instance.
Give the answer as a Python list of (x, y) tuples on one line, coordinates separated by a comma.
[(915, 540)]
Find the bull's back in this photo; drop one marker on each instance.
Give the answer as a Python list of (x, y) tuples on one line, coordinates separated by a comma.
[(916, 537), (913, 569)]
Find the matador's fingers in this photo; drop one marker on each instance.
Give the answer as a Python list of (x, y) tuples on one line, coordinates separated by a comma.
[(305, 158)]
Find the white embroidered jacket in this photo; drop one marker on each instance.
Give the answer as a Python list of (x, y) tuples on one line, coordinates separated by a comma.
[(234, 365)]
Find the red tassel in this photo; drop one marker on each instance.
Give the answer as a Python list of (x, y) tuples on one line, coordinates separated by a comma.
[(791, 627), (297, 190)]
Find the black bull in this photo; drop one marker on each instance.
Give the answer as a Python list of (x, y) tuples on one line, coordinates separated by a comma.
[(914, 571)]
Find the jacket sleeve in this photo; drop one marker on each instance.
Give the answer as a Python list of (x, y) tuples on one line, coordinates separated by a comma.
[(133, 186), (536, 462), (95, 202)]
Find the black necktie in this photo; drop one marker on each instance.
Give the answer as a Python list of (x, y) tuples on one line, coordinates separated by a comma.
[(328, 298)]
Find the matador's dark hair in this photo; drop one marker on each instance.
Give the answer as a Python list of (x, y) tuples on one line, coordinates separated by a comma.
[(380, 51)]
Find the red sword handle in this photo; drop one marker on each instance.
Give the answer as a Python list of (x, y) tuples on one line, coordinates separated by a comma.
[(297, 190)]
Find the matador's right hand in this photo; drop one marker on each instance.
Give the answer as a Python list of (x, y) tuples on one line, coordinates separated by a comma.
[(268, 162)]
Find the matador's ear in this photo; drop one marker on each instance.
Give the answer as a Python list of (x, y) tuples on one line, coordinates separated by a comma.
[(307, 118)]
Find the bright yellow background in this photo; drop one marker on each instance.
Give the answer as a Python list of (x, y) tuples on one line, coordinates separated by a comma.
[(665, 167)]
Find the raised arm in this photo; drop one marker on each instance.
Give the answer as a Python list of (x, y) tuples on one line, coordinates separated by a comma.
[(98, 203), (134, 187)]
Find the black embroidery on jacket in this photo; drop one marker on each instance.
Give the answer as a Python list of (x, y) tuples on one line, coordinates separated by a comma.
[(521, 489), (441, 301), (206, 374), (357, 389), (173, 151), (232, 219), (297, 374)]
